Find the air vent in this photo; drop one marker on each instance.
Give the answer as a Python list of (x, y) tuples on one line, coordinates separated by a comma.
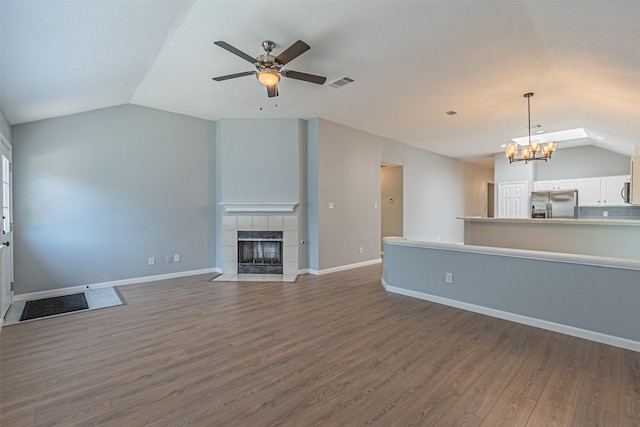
[(451, 113), (341, 82)]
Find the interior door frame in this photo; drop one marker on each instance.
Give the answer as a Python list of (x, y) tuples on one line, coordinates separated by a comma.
[(5, 145)]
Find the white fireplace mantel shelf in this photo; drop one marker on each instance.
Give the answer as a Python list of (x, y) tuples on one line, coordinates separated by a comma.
[(259, 206)]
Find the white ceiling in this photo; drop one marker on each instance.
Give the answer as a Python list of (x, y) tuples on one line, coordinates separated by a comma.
[(411, 62)]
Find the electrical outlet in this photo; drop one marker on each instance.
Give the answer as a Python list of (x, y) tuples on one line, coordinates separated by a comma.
[(448, 277), (605, 213), (169, 259), (176, 258), (361, 249), (151, 260), (331, 205)]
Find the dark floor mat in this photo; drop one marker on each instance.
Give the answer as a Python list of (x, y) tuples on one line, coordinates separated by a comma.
[(52, 306)]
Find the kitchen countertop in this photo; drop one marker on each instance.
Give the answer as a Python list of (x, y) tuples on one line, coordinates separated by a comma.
[(567, 221)]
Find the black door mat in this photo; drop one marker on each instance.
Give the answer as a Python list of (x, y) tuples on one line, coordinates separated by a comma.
[(52, 306)]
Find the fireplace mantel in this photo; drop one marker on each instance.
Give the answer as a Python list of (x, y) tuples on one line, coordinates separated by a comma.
[(240, 207)]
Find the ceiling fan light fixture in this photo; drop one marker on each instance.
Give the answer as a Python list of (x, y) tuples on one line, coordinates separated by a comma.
[(268, 78)]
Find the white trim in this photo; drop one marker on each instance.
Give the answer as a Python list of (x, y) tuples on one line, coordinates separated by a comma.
[(597, 261), (563, 221), (73, 289), (303, 271), (518, 318), (344, 267), (258, 206)]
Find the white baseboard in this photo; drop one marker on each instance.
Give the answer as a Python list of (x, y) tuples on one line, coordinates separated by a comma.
[(73, 289), (303, 271), (344, 267), (518, 318)]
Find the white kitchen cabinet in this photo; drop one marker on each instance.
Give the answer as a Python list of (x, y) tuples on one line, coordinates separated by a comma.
[(603, 191), (561, 184), (600, 191), (589, 192), (544, 185), (611, 190)]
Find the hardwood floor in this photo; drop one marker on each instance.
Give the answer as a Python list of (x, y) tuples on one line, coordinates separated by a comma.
[(332, 350)]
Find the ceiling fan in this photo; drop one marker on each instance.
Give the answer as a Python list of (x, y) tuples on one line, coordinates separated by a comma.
[(269, 67)]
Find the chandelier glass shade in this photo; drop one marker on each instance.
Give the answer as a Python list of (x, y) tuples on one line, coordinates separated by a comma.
[(530, 152)]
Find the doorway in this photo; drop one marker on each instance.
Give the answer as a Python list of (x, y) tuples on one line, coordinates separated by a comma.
[(6, 251), (391, 200)]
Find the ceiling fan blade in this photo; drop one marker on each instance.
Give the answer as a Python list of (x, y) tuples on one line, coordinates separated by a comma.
[(272, 91), (312, 78), (235, 51), (233, 76), (292, 52)]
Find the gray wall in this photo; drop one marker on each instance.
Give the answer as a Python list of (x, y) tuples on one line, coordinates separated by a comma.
[(303, 211), (97, 193), (349, 177), (262, 160), (5, 127), (437, 189), (109, 188), (583, 162), (259, 159), (313, 191), (514, 172), (594, 298)]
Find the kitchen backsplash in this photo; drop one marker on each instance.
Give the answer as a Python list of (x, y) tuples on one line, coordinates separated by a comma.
[(613, 212)]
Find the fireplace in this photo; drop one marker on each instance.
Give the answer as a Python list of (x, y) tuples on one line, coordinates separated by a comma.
[(234, 228), (260, 252)]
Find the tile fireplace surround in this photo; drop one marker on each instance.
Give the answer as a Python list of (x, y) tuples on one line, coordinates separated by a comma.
[(231, 224)]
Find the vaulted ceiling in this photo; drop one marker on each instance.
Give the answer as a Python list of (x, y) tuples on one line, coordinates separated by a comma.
[(411, 61)]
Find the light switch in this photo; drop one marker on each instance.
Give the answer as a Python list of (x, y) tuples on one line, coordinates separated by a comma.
[(330, 205)]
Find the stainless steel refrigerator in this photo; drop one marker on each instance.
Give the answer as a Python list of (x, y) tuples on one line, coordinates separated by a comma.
[(554, 204)]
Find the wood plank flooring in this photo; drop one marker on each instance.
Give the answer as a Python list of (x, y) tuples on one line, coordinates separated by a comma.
[(334, 350)]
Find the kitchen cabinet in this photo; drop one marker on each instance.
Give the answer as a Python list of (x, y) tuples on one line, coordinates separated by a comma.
[(603, 191), (600, 191), (589, 192), (611, 190), (562, 184)]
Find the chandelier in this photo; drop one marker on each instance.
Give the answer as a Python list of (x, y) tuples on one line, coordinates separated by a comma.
[(529, 152)]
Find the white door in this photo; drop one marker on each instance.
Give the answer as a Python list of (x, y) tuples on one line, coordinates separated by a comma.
[(6, 259), (513, 200)]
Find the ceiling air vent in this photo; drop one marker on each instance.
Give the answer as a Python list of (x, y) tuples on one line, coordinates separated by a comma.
[(341, 82), (451, 113)]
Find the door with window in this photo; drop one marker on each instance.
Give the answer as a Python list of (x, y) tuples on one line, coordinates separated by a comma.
[(6, 251)]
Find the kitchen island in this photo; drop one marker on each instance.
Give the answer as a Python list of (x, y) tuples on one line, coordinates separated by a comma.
[(602, 238)]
